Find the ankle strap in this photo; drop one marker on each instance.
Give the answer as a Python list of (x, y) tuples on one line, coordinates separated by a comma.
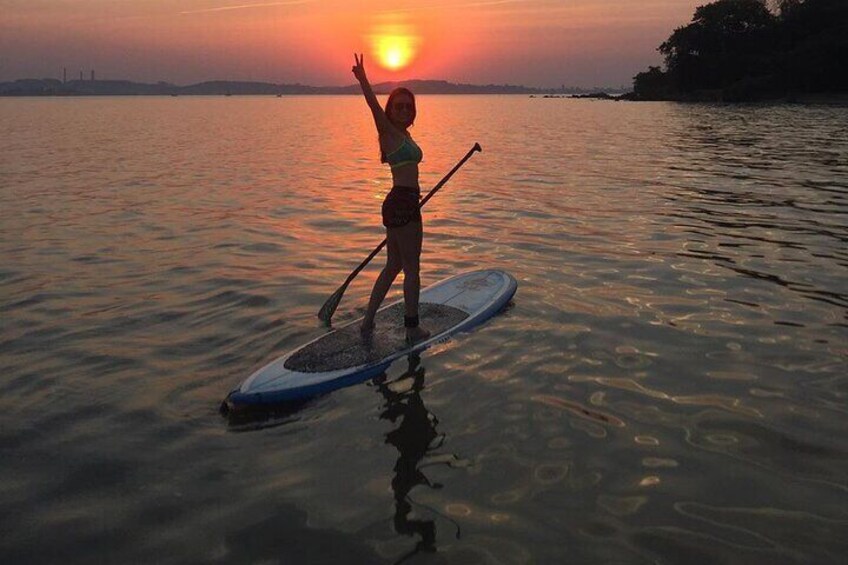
[(410, 321)]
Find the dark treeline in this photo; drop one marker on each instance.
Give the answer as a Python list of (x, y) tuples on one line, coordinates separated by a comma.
[(740, 50)]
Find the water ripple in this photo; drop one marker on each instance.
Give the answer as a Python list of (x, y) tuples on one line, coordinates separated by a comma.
[(668, 385)]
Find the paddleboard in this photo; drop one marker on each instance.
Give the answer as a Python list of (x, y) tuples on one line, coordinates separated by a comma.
[(341, 357)]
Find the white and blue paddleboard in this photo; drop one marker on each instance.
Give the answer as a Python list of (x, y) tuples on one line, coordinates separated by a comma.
[(341, 357)]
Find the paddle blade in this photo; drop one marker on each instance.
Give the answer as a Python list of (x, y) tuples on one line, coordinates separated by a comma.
[(325, 314)]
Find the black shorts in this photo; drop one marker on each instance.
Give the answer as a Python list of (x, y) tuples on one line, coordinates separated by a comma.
[(401, 207)]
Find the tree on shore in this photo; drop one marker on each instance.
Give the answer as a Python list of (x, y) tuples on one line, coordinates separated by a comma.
[(814, 44), (748, 49)]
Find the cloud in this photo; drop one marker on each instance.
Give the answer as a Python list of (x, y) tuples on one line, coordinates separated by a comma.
[(453, 5), (246, 7)]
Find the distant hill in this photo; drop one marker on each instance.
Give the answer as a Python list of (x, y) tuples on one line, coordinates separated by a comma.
[(54, 87)]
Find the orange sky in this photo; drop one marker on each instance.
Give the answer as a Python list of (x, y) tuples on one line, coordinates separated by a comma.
[(532, 42)]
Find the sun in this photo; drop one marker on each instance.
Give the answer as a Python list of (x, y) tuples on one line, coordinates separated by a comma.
[(394, 43), (394, 52)]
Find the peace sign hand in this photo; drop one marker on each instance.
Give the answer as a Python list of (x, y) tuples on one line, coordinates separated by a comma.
[(359, 68)]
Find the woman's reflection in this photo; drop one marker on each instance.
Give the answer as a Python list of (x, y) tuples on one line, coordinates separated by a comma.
[(415, 438)]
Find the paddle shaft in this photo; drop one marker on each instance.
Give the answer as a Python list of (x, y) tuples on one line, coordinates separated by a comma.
[(420, 205)]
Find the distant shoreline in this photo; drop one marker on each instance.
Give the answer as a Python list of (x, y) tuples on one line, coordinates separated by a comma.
[(42, 88), (804, 98), (55, 87)]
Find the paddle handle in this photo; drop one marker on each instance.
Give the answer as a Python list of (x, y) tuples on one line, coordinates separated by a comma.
[(442, 182)]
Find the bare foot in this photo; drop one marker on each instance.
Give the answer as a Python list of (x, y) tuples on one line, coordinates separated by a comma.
[(416, 335)]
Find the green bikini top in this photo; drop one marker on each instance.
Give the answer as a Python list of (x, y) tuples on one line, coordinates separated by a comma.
[(407, 153)]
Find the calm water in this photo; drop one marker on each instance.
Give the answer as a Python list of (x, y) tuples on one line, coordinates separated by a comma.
[(669, 385)]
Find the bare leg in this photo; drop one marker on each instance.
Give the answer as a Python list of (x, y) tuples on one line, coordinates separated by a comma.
[(384, 281), (410, 253), (409, 245)]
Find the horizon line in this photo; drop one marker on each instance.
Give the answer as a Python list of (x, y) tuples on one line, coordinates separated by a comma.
[(88, 80)]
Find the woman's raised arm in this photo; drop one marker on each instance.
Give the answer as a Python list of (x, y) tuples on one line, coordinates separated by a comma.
[(380, 118)]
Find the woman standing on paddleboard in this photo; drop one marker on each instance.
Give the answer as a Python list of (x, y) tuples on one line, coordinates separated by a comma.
[(401, 216)]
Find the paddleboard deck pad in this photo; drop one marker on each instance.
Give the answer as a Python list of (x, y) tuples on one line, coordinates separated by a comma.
[(343, 357)]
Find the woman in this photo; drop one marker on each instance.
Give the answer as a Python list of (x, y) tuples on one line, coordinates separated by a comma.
[(404, 230)]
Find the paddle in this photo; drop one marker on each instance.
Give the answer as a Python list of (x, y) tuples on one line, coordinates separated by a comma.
[(329, 307)]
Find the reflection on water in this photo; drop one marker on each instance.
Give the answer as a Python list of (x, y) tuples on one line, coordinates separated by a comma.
[(669, 386), (416, 440), (784, 233), (415, 436), (260, 417)]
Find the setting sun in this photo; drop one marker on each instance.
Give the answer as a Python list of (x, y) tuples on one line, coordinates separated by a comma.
[(394, 52), (394, 44)]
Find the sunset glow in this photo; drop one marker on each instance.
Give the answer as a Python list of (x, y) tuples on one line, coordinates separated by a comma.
[(530, 42)]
